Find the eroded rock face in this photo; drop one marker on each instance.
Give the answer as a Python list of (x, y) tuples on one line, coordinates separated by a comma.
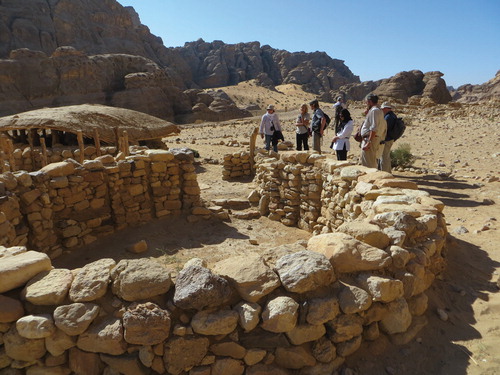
[(474, 93)]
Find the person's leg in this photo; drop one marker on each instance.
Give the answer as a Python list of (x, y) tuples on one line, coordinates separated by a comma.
[(369, 157), (316, 142), (306, 141), (268, 141), (275, 146), (298, 141), (385, 160), (342, 154)]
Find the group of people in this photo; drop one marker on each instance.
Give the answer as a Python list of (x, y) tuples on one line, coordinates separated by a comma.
[(375, 140)]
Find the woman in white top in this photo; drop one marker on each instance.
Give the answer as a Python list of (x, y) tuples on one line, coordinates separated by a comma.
[(302, 131), (340, 143)]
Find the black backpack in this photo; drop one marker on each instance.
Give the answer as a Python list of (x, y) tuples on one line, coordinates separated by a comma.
[(398, 130), (328, 119)]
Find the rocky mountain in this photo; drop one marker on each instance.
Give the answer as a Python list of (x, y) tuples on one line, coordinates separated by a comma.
[(474, 93), (402, 87), (60, 52)]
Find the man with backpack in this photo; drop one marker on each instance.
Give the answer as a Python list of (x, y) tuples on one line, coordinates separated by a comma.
[(318, 124), (384, 163), (373, 131)]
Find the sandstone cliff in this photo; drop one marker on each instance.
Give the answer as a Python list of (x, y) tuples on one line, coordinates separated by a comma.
[(122, 64), (474, 93), (402, 86)]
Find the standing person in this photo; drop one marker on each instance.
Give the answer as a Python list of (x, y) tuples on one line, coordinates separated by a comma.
[(318, 124), (391, 118), (302, 132), (268, 125), (340, 143), (373, 132), (338, 107)]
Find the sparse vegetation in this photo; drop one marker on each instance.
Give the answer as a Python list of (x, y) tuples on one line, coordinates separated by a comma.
[(402, 156)]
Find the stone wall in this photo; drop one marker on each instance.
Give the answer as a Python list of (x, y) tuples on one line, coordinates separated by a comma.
[(28, 159), (236, 165), (292, 310), (67, 204)]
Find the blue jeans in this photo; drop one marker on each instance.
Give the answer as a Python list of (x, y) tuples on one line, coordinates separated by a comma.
[(269, 139)]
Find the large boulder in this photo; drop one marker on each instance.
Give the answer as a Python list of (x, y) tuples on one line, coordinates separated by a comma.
[(16, 270), (280, 315), (48, 287), (139, 279), (196, 287), (146, 324), (249, 275), (74, 319), (304, 271), (91, 281), (348, 254)]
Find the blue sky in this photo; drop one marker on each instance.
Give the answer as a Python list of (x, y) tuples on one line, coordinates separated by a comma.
[(376, 39)]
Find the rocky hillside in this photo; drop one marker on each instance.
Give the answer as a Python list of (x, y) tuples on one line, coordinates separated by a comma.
[(402, 86), (115, 60), (474, 93)]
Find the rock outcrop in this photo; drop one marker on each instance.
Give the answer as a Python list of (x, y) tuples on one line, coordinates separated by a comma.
[(57, 53), (402, 87), (474, 93)]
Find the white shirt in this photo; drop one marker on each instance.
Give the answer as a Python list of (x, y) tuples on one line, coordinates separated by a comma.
[(374, 122), (344, 135), (267, 121)]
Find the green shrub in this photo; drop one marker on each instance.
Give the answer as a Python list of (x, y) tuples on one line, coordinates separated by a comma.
[(402, 156)]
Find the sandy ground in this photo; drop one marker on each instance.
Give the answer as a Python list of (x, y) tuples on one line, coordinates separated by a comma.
[(458, 162)]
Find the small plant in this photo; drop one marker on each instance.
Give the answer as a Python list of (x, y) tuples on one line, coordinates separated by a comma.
[(402, 156)]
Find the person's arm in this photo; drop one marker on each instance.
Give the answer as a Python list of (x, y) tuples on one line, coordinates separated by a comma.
[(277, 124), (262, 127), (323, 124), (347, 130)]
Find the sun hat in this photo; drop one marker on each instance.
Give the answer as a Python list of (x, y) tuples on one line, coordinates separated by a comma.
[(270, 106), (386, 105)]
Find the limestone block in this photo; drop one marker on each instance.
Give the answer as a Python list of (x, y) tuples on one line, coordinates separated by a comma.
[(138, 279), (323, 350), (22, 349), (103, 337), (197, 287), (35, 326), (249, 275), (403, 338), (146, 324), (228, 349), (48, 287), (59, 342), (345, 327), (303, 333), (16, 270), (322, 310), (304, 271), (10, 309), (60, 169), (249, 315), (74, 319), (294, 357), (381, 288), (347, 254), (348, 347), (396, 183), (254, 356), (366, 232), (91, 281), (398, 317), (124, 364), (93, 165), (30, 196), (182, 353), (220, 322), (418, 304), (159, 155), (81, 362), (400, 257), (353, 299), (280, 314)]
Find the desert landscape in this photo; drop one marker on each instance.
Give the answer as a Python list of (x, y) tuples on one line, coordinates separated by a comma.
[(465, 340), (182, 204)]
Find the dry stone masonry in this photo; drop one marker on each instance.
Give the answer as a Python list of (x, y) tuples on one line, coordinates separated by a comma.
[(68, 204), (293, 310), (236, 165)]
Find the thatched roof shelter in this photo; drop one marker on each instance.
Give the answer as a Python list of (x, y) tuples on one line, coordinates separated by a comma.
[(87, 117)]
